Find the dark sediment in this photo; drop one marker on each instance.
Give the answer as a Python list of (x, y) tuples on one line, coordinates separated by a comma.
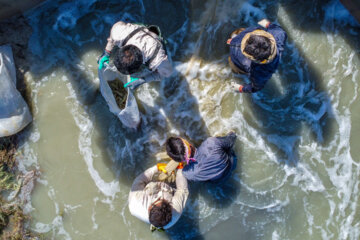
[(13, 221), (120, 93)]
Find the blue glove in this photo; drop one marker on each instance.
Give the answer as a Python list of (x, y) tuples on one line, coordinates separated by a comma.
[(104, 58), (134, 83)]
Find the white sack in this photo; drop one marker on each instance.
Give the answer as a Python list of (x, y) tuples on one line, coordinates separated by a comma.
[(130, 115), (14, 112)]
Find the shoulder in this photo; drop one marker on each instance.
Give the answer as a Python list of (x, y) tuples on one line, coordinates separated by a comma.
[(121, 29), (210, 141), (118, 25), (240, 36), (278, 32), (175, 217), (137, 206)]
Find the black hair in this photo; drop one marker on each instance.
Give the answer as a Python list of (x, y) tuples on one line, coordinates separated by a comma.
[(259, 47), (176, 150), (161, 214), (128, 59)]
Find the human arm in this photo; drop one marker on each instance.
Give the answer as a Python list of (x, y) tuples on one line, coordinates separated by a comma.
[(275, 30), (179, 199), (143, 179), (138, 201), (246, 88), (279, 35), (264, 23), (115, 36), (105, 57), (259, 75), (236, 87), (165, 69), (182, 192), (251, 87)]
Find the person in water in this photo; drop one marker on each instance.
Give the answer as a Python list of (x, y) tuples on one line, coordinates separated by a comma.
[(213, 161), (157, 202), (140, 53), (256, 51)]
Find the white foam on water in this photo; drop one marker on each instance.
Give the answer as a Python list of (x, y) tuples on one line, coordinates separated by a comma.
[(84, 123), (56, 227)]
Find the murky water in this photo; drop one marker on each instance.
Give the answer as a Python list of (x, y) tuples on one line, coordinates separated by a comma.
[(298, 174)]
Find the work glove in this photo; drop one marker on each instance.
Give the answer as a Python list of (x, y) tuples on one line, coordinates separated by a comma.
[(236, 87), (104, 58), (264, 23), (134, 83), (169, 176)]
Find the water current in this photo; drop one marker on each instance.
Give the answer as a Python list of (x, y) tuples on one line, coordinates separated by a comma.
[(298, 173)]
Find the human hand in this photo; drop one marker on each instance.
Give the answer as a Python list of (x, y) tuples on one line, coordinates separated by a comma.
[(104, 58), (236, 87), (264, 23), (134, 83)]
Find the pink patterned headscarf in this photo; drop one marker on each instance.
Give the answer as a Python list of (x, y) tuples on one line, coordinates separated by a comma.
[(187, 151)]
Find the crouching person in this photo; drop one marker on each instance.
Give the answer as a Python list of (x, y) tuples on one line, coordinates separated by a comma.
[(156, 202), (256, 51), (140, 54), (213, 161)]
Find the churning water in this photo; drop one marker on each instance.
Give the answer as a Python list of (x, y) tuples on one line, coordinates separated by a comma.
[(298, 173)]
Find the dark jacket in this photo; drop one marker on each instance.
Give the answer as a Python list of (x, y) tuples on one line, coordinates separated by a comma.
[(215, 160), (259, 73)]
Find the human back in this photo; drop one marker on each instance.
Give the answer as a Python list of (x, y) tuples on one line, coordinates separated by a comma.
[(214, 160), (144, 40), (147, 194), (256, 51)]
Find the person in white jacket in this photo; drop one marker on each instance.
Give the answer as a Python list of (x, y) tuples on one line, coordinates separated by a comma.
[(156, 202), (141, 53)]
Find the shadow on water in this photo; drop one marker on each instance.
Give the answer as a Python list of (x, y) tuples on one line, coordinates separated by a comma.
[(282, 116), (220, 195), (217, 196), (296, 10), (182, 109)]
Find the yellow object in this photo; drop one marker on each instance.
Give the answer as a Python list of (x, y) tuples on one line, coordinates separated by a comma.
[(161, 167)]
